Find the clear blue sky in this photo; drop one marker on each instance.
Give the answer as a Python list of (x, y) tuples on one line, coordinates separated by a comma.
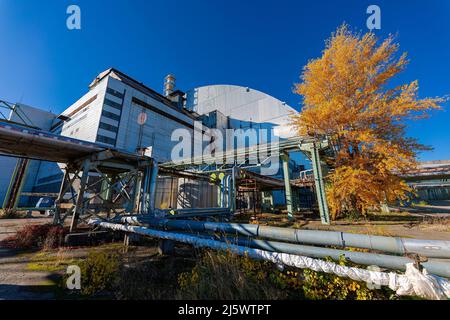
[(260, 44)]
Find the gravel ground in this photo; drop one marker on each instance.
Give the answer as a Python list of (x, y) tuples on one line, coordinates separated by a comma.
[(18, 283)]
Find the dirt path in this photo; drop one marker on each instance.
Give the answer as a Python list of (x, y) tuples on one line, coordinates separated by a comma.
[(19, 283)]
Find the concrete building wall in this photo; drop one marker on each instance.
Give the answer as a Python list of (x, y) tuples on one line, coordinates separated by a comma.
[(108, 114), (141, 127)]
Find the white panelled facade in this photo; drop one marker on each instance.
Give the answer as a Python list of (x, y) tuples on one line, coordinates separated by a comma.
[(118, 112)]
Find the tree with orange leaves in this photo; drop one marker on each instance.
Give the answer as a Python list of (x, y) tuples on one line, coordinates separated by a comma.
[(347, 99)]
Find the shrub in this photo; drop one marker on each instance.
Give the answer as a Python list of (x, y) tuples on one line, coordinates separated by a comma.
[(214, 275), (99, 272), (55, 237), (42, 236), (219, 275), (223, 275), (156, 279)]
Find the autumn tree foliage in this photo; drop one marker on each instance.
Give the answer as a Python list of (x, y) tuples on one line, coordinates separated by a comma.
[(347, 98)]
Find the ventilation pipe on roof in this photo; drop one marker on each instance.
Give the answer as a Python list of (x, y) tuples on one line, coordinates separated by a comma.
[(169, 84)]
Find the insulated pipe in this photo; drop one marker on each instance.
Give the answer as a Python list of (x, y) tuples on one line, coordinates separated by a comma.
[(199, 214), (144, 191), (364, 258), (391, 262), (396, 245), (191, 210), (189, 213)]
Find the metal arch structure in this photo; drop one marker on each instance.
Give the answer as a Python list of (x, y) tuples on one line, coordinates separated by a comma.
[(95, 176)]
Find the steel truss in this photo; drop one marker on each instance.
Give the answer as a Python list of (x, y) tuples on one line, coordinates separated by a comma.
[(235, 159), (104, 186)]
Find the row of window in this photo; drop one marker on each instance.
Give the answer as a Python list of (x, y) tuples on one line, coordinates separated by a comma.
[(115, 93), (113, 104), (72, 123), (111, 115), (108, 127), (107, 140)]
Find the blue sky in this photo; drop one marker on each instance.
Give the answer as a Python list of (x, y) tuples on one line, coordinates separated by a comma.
[(260, 44)]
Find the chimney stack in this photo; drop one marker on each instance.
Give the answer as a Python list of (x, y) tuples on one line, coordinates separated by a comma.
[(169, 84)]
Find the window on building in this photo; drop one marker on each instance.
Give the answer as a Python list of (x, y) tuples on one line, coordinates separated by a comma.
[(108, 127), (110, 115), (113, 104), (115, 93), (107, 140)]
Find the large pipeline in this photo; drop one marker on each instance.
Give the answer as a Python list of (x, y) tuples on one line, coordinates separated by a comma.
[(364, 258), (396, 245), (391, 262)]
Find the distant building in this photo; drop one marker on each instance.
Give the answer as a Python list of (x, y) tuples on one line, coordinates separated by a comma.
[(431, 180)]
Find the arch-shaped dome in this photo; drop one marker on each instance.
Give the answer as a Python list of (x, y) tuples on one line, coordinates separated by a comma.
[(239, 103)]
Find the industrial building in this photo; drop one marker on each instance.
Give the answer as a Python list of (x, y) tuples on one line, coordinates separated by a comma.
[(123, 113)]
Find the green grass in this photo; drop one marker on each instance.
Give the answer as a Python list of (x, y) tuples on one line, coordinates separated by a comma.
[(50, 261)]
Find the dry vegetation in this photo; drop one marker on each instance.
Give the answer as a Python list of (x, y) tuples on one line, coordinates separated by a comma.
[(40, 236), (208, 275)]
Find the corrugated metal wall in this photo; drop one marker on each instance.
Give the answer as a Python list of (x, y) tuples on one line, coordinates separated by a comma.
[(172, 192)]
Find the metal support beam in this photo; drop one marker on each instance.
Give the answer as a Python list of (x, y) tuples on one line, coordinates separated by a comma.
[(80, 195), (58, 201), (220, 194), (287, 185), (232, 192), (16, 183), (106, 192), (320, 187), (137, 192), (152, 186)]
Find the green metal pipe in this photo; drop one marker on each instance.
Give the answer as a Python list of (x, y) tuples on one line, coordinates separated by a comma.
[(396, 245)]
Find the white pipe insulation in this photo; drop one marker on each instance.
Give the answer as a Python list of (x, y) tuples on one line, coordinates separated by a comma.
[(413, 282)]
